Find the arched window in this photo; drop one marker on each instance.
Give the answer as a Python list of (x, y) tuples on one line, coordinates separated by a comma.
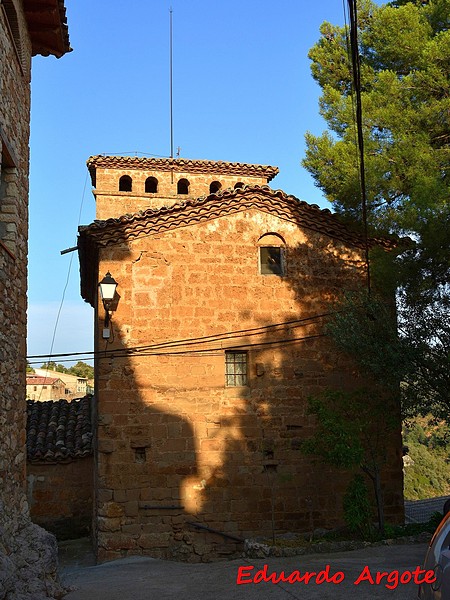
[(151, 185), (215, 187), (272, 255), (125, 183), (183, 186), (239, 185)]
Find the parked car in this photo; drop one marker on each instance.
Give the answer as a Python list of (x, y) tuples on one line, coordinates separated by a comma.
[(438, 559)]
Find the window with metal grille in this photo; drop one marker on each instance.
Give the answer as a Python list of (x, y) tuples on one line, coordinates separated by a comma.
[(235, 368)]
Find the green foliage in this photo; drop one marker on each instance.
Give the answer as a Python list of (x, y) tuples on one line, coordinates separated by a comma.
[(426, 328), (364, 327), (351, 432), (405, 70), (30, 368), (427, 473), (81, 369), (357, 509), (337, 440), (405, 65), (52, 366), (351, 429)]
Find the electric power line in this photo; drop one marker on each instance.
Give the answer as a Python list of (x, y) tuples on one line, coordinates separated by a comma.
[(174, 344)]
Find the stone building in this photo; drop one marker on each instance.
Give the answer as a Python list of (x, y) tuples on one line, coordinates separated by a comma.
[(74, 385), (208, 353), (44, 388), (27, 28), (60, 465)]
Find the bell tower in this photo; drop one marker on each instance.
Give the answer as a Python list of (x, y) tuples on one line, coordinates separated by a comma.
[(128, 184)]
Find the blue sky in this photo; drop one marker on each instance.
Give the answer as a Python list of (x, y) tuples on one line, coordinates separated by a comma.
[(242, 92)]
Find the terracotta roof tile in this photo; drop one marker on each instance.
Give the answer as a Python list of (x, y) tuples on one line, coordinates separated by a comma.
[(190, 212), (38, 380), (179, 165), (47, 26), (58, 430)]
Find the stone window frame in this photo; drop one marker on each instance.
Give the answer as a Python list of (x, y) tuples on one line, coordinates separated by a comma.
[(125, 181), (8, 209), (153, 183), (214, 187), (272, 246), (236, 368), (183, 186)]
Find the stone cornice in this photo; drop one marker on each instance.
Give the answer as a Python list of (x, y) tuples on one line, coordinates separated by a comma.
[(179, 165)]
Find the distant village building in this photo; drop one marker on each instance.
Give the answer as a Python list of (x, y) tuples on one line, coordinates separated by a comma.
[(45, 388), (74, 385), (207, 354), (27, 28)]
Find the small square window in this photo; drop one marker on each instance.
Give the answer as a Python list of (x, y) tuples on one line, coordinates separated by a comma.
[(235, 369), (271, 260)]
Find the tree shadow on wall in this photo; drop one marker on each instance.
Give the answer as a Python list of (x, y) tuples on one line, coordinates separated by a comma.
[(186, 465)]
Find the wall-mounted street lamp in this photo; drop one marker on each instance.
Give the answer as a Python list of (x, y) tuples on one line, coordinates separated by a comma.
[(107, 287)]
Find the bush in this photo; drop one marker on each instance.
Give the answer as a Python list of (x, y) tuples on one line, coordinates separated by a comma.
[(357, 509)]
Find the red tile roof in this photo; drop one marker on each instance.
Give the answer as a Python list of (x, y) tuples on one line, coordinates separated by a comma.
[(38, 380)]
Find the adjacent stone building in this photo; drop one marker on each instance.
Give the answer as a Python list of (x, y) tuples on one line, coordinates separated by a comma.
[(208, 353), (27, 28), (60, 465)]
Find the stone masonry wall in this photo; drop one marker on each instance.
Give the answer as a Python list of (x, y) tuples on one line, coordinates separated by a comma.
[(112, 203), (27, 553), (60, 496), (176, 445)]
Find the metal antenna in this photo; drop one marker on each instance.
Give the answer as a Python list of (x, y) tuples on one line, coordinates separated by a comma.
[(171, 85)]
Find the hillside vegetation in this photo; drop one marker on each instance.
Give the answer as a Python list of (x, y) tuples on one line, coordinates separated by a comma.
[(427, 468)]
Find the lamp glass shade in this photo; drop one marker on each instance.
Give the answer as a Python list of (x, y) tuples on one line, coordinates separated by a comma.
[(108, 287)]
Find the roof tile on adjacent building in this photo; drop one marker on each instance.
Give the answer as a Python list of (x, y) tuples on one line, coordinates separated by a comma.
[(58, 430)]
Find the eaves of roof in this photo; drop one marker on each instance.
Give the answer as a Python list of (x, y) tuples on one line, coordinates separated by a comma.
[(191, 212), (47, 27), (179, 165)]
